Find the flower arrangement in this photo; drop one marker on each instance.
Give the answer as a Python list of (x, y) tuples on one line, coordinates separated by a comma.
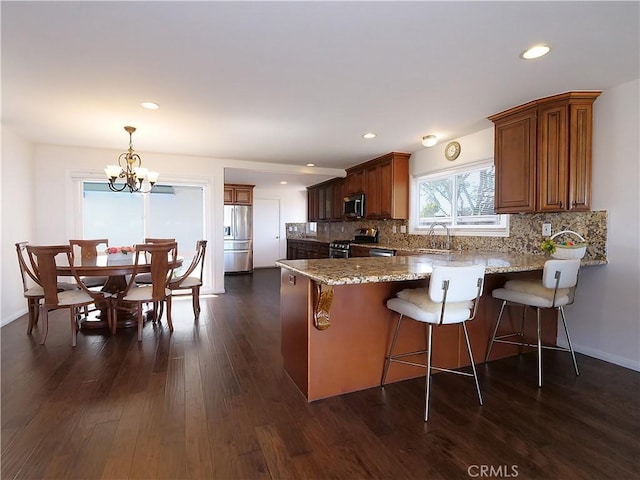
[(124, 250), (548, 246)]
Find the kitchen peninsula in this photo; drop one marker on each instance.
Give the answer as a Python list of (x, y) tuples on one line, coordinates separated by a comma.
[(336, 329)]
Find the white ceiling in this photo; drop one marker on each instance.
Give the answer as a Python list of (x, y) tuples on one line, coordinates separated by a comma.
[(296, 82)]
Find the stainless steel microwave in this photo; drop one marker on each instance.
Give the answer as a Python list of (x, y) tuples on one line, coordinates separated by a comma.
[(354, 206)]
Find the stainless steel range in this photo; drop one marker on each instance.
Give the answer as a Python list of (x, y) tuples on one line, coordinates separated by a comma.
[(339, 249), (342, 248)]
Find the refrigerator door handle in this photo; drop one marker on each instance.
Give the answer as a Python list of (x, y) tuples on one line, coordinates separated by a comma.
[(234, 222)]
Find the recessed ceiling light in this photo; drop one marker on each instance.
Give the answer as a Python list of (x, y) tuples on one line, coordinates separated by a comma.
[(369, 135), (429, 140), (535, 52), (149, 105), (283, 183), (311, 164)]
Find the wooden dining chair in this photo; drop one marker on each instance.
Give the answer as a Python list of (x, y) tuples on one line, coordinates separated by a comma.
[(44, 261), (187, 281), (32, 289), (145, 278), (159, 240), (88, 250), (161, 257)]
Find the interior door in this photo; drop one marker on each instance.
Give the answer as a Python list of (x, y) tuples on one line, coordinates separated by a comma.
[(266, 223)]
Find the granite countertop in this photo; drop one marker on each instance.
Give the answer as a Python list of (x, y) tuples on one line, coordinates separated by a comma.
[(347, 271)]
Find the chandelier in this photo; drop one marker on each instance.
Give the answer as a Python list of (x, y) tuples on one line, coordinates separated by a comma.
[(130, 169)]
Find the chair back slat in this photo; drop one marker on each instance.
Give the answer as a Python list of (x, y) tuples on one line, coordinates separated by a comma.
[(449, 285), (159, 240), (161, 257), (89, 248), (462, 283), (197, 261), (44, 260), (568, 273), (25, 270)]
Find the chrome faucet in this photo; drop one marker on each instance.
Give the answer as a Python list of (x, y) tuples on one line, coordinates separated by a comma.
[(447, 245)]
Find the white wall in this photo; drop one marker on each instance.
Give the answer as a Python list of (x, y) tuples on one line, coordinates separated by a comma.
[(293, 208), (473, 148), (605, 320), (16, 217)]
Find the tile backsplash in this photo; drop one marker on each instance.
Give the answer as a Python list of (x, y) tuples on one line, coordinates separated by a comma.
[(525, 233)]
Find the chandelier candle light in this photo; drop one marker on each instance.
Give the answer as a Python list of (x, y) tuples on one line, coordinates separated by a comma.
[(130, 169)]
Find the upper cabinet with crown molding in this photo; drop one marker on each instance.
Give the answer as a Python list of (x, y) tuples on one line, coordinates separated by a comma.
[(385, 183), (238, 194), (543, 154), (383, 180), (324, 200)]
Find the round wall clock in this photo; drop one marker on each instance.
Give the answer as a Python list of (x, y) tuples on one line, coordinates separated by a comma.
[(452, 150)]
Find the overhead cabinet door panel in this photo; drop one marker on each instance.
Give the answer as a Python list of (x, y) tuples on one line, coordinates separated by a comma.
[(515, 140), (580, 157), (552, 158)]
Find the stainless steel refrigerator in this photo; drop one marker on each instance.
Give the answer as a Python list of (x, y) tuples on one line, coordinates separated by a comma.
[(238, 239)]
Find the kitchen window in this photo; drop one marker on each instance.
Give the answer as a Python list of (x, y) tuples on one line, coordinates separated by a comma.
[(461, 198)]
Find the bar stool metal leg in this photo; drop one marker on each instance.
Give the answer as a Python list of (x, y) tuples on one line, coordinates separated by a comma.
[(387, 361), (539, 350), (566, 332), (473, 366), (427, 387), (495, 330)]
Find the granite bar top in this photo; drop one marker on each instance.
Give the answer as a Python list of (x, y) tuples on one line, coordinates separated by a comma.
[(348, 271)]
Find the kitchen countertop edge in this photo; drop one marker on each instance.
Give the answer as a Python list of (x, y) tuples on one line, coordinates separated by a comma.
[(351, 271)]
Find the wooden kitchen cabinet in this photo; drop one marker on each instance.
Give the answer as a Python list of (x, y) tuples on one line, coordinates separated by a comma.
[(235, 194), (312, 205), (386, 186), (324, 201), (337, 208), (354, 182), (372, 192), (543, 154), (302, 249), (515, 162), (359, 251), (383, 180)]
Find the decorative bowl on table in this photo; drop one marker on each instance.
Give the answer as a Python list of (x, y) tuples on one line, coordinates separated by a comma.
[(119, 254)]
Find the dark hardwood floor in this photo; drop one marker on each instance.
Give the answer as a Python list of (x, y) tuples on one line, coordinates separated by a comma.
[(212, 401)]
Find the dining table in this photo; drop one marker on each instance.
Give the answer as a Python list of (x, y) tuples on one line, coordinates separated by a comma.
[(116, 267)]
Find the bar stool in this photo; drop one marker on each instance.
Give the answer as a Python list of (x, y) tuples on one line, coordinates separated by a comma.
[(555, 290), (452, 298)]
